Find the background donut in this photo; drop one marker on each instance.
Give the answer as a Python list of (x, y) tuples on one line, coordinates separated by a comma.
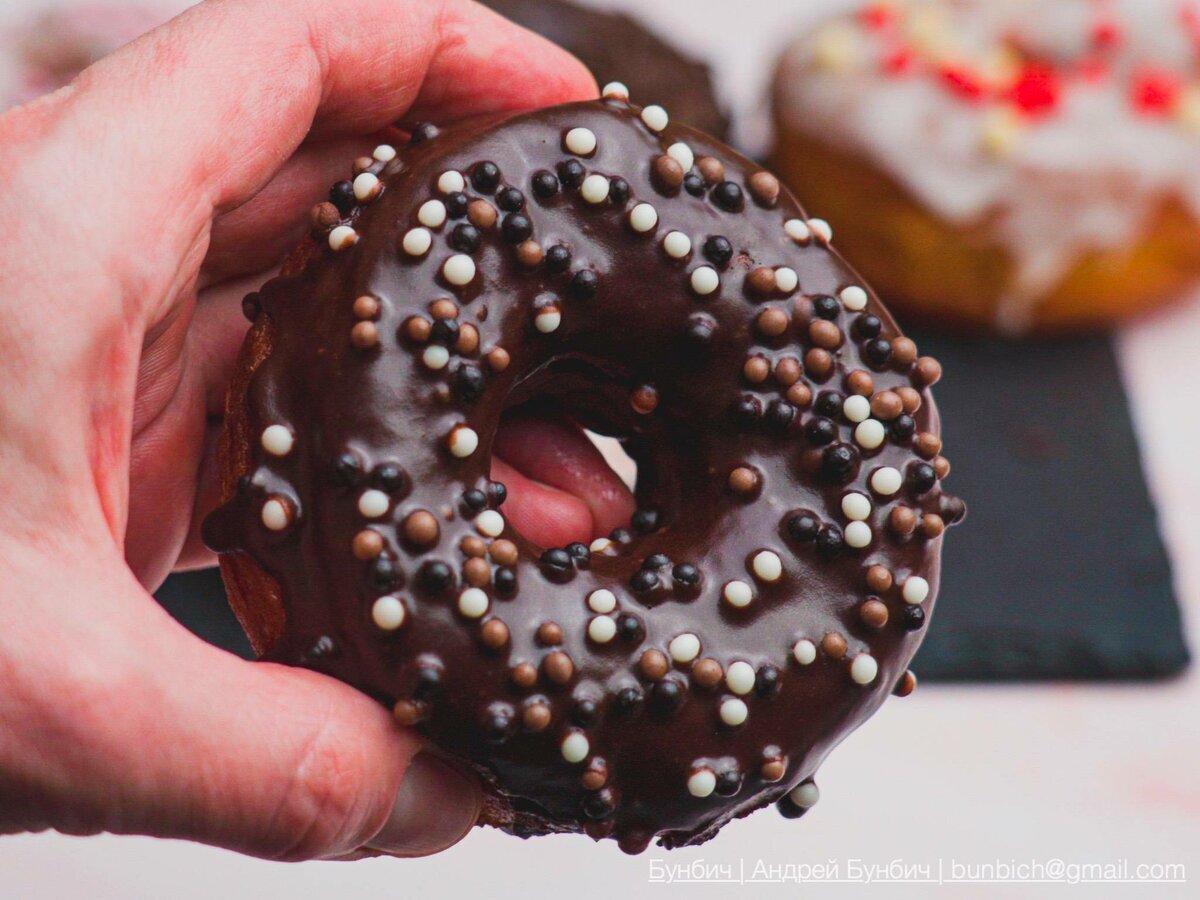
[(1014, 166), (656, 286), (615, 45)]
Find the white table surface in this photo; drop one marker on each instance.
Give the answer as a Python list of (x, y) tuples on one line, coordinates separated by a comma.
[(1082, 774)]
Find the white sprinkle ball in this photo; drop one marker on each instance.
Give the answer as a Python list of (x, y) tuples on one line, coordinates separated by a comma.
[(856, 506), (594, 189), (767, 565), (388, 613), (275, 515), (602, 629), (450, 182), (915, 590), (490, 523), (615, 90), (857, 408), (575, 747), (886, 481), (864, 668), (372, 503), (417, 242), (797, 230), (341, 237), (854, 298), (463, 441), (858, 535), (677, 244), (384, 153), (366, 186), (738, 594), (602, 601), (870, 434), (432, 213), (786, 279), (734, 711), (705, 280), (821, 229), (702, 783), (684, 647), (435, 356), (473, 603), (547, 320), (643, 218), (655, 117), (740, 677), (805, 795), (682, 154), (580, 141), (599, 545), (459, 269), (278, 440), (805, 652)]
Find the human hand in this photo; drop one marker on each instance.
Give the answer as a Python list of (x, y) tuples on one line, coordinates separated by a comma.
[(142, 202)]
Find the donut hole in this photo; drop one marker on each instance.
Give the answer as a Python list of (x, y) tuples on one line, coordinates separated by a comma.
[(622, 464), (586, 461)]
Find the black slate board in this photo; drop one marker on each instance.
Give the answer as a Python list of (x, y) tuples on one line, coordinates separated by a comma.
[(1059, 571)]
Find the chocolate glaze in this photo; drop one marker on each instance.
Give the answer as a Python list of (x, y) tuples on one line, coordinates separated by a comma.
[(383, 405)]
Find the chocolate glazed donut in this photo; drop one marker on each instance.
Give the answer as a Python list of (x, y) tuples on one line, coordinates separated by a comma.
[(654, 285)]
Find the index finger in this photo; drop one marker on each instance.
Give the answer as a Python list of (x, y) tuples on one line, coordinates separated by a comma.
[(210, 104)]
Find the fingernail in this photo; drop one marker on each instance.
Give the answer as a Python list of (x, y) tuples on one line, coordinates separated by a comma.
[(436, 806)]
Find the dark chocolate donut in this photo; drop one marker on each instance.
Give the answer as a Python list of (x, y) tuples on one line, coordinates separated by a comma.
[(654, 285), (614, 45)]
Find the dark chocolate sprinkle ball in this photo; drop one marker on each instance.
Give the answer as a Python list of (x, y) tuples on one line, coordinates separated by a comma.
[(826, 307), (584, 284), (728, 196), (571, 173), (558, 258), (456, 204), (803, 526), (465, 238), (544, 185), (645, 521), (485, 177), (510, 199), (914, 618), (718, 250), (341, 195), (516, 228), (346, 470)]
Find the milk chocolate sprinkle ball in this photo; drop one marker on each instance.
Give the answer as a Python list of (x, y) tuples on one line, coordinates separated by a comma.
[(764, 188)]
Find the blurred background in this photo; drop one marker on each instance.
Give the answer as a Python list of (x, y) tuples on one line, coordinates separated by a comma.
[(1018, 180)]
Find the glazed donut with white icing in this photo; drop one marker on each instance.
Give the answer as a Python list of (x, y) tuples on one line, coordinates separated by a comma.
[(1018, 166), (653, 285)]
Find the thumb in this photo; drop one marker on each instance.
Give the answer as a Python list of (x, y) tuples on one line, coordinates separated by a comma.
[(190, 742), (309, 768)]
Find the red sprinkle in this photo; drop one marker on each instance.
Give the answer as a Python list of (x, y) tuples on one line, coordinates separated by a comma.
[(900, 61), (964, 82), (878, 15), (1154, 91), (1106, 34), (1036, 90)]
